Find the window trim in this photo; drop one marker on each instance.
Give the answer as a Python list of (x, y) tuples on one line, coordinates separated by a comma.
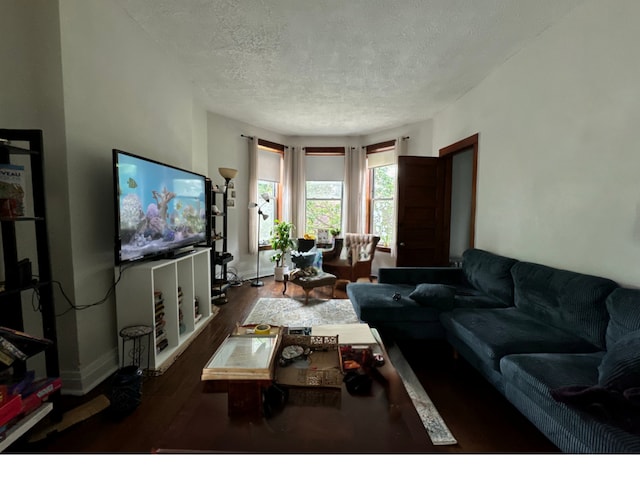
[(279, 149), (372, 149)]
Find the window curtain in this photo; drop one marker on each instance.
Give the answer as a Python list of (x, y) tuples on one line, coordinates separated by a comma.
[(287, 185), (354, 186), (358, 218), (253, 195), (399, 150), (299, 192), (346, 190)]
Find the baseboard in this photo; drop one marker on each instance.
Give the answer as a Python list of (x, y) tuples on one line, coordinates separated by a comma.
[(80, 382)]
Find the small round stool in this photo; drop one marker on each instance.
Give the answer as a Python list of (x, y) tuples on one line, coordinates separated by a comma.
[(134, 334)]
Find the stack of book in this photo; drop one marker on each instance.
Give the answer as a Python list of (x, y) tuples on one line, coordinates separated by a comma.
[(161, 336), (181, 327), (18, 346)]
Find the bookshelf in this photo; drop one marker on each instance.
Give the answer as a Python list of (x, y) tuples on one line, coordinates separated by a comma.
[(162, 294), (25, 272)]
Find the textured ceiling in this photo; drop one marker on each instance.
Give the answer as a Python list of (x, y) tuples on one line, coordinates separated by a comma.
[(340, 67)]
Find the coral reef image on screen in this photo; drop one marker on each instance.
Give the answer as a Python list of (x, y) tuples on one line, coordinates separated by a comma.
[(161, 208)]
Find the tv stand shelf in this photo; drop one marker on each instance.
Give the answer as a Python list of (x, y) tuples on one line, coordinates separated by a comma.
[(162, 294)]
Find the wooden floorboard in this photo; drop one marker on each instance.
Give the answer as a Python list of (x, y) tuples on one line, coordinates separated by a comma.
[(479, 417)]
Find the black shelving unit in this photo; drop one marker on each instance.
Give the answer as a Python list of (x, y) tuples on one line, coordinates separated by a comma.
[(18, 277), (220, 257)]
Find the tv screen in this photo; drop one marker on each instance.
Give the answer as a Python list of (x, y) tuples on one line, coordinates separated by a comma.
[(160, 209)]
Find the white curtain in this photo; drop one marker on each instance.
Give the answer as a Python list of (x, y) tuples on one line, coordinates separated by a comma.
[(399, 150), (346, 190), (253, 195), (359, 219), (353, 191), (287, 185), (299, 191)]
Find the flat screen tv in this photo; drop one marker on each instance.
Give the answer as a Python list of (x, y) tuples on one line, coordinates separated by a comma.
[(160, 210)]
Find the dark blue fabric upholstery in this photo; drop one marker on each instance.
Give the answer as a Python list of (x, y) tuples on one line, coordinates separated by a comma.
[(374, 304), (566, 300), (529, 380), (623, 305), (434, 295), (489, 273), (620, 367), (494, 333)]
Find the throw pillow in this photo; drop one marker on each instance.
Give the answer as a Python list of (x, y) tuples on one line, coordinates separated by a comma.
[(434, 295), (620, 366)]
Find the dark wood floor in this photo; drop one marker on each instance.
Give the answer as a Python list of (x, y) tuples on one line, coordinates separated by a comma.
[(478, 416)]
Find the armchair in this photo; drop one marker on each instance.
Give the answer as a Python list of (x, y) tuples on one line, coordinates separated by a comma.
[(351, 256)]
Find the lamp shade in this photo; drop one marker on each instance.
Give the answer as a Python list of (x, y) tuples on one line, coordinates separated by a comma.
[(228, 173)]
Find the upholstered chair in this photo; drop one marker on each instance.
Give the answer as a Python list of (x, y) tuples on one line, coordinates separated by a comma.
[(351, 256)]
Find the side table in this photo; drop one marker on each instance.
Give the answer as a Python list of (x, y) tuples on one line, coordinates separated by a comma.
[(135, 334)]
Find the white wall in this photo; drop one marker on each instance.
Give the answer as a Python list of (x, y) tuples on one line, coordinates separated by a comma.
[(557, 173), (31, 98), (461, 195), (92, 80), (120, 91), (227, 148)]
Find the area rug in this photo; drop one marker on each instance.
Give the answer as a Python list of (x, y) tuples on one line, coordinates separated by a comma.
[(293, 312)]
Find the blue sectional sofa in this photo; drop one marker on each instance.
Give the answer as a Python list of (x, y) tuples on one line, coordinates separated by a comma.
[(562, 347)]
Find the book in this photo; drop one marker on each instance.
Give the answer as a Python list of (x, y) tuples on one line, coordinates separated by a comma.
[(38, 392), (10, 349), (5, 358), (28, 344), (10, 408)]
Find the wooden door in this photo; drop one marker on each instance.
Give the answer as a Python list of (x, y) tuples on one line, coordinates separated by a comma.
[(424, 211)]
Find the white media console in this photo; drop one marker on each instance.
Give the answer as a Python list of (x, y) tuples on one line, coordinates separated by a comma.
[(162, 294)]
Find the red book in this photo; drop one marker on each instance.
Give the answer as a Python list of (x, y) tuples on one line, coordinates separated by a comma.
[(10, 408), (38, 392)]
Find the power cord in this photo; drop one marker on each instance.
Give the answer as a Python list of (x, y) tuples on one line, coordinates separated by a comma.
[(36, 304)]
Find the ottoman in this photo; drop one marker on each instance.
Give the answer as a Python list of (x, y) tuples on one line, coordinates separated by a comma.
[(308, 283)]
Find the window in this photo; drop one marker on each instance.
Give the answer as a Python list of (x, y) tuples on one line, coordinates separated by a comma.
[(324, 171), (268, 208), (269, 181), (323, 205), (383, 171)]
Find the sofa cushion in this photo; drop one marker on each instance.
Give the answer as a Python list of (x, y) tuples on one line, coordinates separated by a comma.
[(530, 380), (494, 333), (489, 273), (623, 305), (570, 301), (620, 367), (434, 295), (374, 302)]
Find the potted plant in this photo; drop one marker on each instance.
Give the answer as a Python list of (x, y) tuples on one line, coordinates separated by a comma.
[(281, 242), (334, 231)]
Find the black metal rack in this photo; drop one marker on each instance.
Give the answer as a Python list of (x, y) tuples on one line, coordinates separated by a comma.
[(220, 257), (16, 236)]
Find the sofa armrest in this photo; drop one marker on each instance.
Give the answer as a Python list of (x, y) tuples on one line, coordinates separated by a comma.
[(415, 276)]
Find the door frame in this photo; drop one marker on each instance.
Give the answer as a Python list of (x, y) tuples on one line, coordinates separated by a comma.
[(448, 152)]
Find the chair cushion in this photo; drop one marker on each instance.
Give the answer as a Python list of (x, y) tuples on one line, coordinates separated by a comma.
[(434, 295), (620, 367)]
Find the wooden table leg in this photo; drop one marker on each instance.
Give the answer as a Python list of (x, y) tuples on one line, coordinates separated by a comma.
[(306, 295)]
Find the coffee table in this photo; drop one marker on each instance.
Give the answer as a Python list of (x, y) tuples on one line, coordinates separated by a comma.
[(313, 420)]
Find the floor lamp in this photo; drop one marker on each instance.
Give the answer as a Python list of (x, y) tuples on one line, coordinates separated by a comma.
[(264, 215)]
